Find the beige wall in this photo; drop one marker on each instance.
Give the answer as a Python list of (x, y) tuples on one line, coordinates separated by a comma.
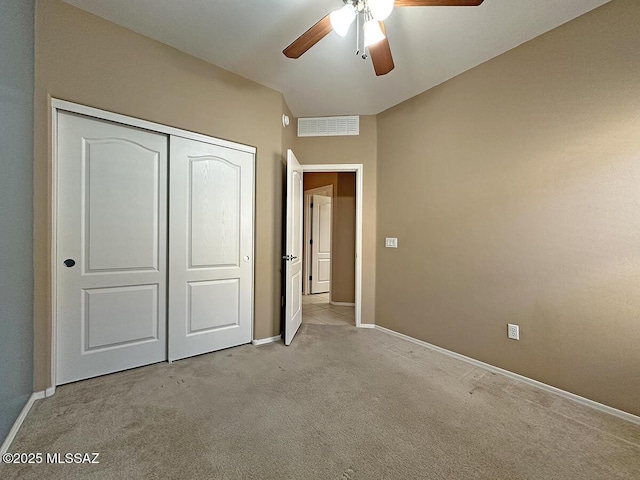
[(514, 191), (353, 149), (313, 180), (343, 253), (343, 239), (85, 59)]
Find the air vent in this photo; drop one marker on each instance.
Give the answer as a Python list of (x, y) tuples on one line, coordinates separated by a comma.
[(328, 126)]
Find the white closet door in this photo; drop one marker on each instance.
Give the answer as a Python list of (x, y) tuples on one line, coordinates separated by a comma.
[(211, 247), (111, 247)]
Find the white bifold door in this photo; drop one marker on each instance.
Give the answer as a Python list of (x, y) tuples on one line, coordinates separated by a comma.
[(113, 264)]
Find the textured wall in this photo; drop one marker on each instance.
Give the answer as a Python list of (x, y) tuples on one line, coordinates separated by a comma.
[(514, 191), (85, 59), (16, 209)]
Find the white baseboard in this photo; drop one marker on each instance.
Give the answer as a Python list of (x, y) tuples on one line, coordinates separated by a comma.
[(543, 386), (264, 341), (367, 325), (343, 304), (40, 395), (18, 423), (50, 392)]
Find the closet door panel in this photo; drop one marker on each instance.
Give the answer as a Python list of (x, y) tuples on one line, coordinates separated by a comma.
[(211, 247), (111, 274), (214, 228)]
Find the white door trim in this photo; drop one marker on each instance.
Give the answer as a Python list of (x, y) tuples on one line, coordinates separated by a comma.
[(306, 266), (358, 169), (63, 105)]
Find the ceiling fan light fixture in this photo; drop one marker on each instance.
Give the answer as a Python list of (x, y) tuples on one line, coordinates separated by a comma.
[(342, 19), (380, 9), (372, 33)]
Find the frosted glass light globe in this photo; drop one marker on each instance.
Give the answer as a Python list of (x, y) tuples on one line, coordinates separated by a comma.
[(380, 9), (342, 19)]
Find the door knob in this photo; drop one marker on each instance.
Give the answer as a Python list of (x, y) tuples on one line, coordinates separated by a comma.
[(246, 258), (289, 257), (69, 262)]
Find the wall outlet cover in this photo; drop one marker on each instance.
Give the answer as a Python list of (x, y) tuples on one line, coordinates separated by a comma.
[(513, 331), (391, 242)]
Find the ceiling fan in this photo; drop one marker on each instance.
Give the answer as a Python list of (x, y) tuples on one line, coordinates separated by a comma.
[(369, 15)]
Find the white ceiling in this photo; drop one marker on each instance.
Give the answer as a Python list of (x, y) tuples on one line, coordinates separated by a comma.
[(429, 44)]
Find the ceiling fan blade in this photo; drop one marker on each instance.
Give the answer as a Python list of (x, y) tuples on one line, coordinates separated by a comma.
[(381, 55), (437, 3), (309, 38)]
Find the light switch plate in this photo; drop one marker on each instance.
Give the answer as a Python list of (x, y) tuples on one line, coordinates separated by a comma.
[(391, 242)]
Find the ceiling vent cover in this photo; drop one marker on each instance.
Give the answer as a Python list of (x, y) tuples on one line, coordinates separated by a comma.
[(328, 126)]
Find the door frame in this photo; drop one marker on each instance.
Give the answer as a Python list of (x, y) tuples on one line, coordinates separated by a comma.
[(358, 169), (66, 106), (306, 266)]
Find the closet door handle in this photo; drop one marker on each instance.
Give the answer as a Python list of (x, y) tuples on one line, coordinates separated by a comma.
[(246, 258), (69, 262)]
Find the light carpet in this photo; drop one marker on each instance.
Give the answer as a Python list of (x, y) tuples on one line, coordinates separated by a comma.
[(340, 403)]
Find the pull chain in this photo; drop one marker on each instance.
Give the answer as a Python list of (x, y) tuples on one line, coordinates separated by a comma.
[(364, 19), (357, 34), (360, 19)]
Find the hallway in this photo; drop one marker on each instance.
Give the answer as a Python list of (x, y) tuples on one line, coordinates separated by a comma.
[(317, 310)]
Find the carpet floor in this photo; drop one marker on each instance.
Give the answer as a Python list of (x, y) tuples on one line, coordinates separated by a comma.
[(339, 403)]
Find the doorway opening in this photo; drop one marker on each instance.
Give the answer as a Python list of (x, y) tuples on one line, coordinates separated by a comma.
[(293, 234), (318, 228), (329, 253)]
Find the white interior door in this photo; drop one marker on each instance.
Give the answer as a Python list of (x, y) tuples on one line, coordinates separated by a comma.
[(211, 247), (321, 244), (111, 247), (293, 255)]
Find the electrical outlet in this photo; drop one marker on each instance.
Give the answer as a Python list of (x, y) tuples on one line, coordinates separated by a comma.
[(513, 331), (391, 242)]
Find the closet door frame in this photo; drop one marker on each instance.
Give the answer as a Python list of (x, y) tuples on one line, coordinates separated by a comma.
[(65, 106)]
